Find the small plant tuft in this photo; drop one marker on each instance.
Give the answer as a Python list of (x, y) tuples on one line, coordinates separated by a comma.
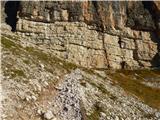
[(17, 72)]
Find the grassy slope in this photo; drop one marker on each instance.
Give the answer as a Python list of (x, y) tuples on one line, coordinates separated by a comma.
[(126, 79)]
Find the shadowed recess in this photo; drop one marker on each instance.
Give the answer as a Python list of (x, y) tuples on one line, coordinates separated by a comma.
[(11, 8)]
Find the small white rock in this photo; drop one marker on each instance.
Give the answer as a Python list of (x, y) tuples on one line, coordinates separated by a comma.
[(116, 118), (54, 119), (47, 75), (48, 115), (45, 83), (3, 116), (60, 63), (57, 77), (102, 114), (39, 111), (28, 98), (49, 103), (157, 114), (39, 88), (33, 98), (42, 66)]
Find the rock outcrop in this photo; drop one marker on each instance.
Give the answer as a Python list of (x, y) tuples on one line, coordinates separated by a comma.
[(93, 34)]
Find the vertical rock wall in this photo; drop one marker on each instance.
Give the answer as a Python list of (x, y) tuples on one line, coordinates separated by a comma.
[(94, 34)]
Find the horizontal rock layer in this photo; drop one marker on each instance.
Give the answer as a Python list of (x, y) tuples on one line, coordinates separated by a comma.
[(79, 43)]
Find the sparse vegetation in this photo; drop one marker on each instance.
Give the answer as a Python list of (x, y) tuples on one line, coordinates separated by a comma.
[(141, 73), (83, 83), (17, 72), (125, 79), (149, 116), (7, 43), (99, 86), (26, 61), (48, 58), (96, 112)]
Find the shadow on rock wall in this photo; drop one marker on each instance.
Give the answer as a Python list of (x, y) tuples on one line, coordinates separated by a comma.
[(154, 11), (11, 8), (156, 59)]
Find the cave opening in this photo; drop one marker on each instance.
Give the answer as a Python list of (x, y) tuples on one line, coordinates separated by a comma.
[(11, 9), (148, 5)]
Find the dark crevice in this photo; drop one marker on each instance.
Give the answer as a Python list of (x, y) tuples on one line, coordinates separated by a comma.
[(152, 8), (11, 9), (149, 5), (156, 59), (123, 65), (142, 17), (102, 31), (95, 5), (135, 54), (121, 43)]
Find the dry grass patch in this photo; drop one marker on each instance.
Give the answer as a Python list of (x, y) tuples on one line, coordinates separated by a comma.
[(149, 95)]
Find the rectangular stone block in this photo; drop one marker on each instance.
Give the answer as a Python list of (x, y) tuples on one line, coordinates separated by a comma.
[(109, 39)]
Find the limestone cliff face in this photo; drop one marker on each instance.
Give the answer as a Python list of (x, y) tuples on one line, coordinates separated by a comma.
[(93, 34)]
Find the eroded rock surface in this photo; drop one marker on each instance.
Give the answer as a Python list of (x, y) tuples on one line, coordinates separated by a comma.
[(79, 43), (104, 34)]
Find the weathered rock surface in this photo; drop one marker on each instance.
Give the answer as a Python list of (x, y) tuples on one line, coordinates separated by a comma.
[(105, 34), (79, 43)]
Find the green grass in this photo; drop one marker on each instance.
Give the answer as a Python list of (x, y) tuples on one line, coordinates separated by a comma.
[(13, 37), (37, 54), (26, 61), (101, 88), (141, 73), (92, 71), (96, 112), (7, 43), (48, 58), (17, 72), (149, 95)]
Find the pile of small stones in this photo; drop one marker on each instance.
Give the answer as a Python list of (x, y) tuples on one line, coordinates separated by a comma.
[(67, 102)]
